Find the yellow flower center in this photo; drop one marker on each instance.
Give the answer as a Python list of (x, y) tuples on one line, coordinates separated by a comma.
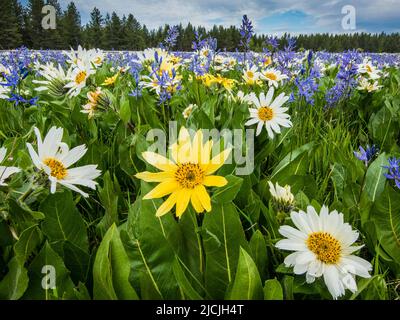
[(80, 77), (250, 74), (271, 75), (97, 60), (265, 113), (326, 247), (369, 69), (57, 168), (189, 175)]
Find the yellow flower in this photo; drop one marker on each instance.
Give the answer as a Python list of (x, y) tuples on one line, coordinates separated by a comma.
[(185, 177), (111, 80)]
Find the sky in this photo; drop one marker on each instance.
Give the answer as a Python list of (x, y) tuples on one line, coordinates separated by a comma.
[(273, 17)]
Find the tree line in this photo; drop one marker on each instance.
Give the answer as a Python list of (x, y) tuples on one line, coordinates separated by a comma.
[(22, 25)]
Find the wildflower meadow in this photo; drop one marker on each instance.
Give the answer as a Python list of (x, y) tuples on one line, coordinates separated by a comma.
[(161, 174)]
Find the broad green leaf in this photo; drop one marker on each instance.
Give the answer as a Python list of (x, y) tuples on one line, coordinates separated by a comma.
[(125, 110), (374, 179), (109, 199), (228, 193), (273, 290), (27, 243), (14, 284), (184, 283), (111, 269), (63, 221), (37, 276), (386, 216), (247, 284), (258, 249), (222, 237), (152, 245)]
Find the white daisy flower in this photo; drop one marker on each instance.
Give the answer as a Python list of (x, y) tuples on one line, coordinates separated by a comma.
[(282, 195), (78, 78), (55, 79), (273, 77), (323, 247), (367, 85), (55, 158), (251, 75), (268, 112), (368, 68), (6, 172)]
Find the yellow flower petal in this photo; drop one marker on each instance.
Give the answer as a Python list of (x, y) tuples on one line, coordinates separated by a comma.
[(154, 176), (162, 189), (196, 203), (218, 161), (214, 181), (159, 161), (182, 201), (203, 196), (167, 205)]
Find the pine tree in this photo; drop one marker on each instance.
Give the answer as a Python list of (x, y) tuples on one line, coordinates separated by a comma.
[(95, 29), (10, 31), (113, 32), (133, 34), (71, 26)]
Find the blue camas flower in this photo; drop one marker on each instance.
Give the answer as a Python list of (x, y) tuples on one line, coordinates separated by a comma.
[(367, 154), (393, 171), (246, 32)]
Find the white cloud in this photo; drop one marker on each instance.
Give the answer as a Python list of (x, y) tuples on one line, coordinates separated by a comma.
[(326, 15)]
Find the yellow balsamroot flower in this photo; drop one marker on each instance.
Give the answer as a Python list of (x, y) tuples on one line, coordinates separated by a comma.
[(186, 176), (111, 80)]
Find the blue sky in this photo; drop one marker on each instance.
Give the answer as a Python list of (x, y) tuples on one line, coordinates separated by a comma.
[(268, 16)]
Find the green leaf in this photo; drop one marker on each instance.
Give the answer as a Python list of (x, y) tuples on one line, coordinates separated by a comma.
[(288, 284), (48, 257), (63, 221), (374, 179), (111, 269), (222, 237), (14, 284), (373, 288), (27, 243), (125, 110), (258, 249), (247, 284), (184, 283), (386, 216), (273, 290), (109, 199), (228, 193), (152, 245), (291, 157)]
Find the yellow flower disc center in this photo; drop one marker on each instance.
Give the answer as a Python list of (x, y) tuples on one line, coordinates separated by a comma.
[(265, 113), (97, 60), (326, 247), (271, 76), (57, 168), (189, 175), (250, 74), (80, 77), (369, 69)]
